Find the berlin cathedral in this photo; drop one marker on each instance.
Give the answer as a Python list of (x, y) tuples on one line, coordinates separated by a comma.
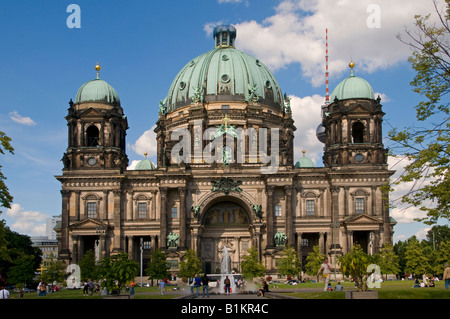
[(225, 177)]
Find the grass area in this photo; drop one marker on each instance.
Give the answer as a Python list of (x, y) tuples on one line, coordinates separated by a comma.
[(388, 290)]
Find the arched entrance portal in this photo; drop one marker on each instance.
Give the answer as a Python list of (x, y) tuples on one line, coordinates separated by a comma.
[(225, 223)]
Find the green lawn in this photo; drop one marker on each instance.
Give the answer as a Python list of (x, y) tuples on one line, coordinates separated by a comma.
[(388, 290)]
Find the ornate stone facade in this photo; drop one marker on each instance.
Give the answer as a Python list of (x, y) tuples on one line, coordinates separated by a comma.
[(232, 201)]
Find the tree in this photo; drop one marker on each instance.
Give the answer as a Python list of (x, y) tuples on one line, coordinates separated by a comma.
[(88, 265), (438, 234), (443, 257), (158, 268), (55, 270), (117, 270), (427, 147), (22, 272), (388, 260), (314, 261), (355, 264), (14, 246), (5, 197), (416, 261), (251, 266), (289, 264), (190, 265)]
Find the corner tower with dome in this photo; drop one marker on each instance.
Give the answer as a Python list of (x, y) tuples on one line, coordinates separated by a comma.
[(222, 127)]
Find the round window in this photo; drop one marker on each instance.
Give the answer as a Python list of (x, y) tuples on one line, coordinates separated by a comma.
[(225, 78), (359, 157), (182, 85)]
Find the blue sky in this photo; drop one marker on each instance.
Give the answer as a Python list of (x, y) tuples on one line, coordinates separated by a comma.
[(141, 46)]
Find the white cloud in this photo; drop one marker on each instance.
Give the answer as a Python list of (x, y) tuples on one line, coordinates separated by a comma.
[(26, 222), (404, 213), (306, 113), (16, 117), (422, 234), (146, 143), (296, 34)]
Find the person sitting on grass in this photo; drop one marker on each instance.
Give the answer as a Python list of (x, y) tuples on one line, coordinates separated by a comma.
[(338, 287)]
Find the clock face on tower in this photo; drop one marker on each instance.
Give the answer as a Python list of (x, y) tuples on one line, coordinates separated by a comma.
[(91, 161), (359, 157)]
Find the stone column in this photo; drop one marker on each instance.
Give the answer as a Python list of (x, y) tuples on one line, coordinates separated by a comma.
[(129, 215), (163, 217), (64, 252), (105, 204), (289, 213), (182, 193), (299, 245), (269, 193), (130, 247), (335, 213), (117, 221), (77, 205), (322, 242)]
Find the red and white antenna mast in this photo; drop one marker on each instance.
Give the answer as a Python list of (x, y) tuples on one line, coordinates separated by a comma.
[(327, 95)]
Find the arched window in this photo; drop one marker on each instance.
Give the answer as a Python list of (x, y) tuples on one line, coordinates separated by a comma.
[(358, 132), (92, 134)]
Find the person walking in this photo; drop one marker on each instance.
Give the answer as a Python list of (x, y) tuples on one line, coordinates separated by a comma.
[(132, 285), (4, 293), (446, 276), (197, 284), (90, 285), (162, 286), (326, 270), (227, 285), (85, 288), (205, 283)]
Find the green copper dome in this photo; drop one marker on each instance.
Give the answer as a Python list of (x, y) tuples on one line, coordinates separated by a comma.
[(304, 162), (353, 87), (224, 74), (97, 90), (144, 164)]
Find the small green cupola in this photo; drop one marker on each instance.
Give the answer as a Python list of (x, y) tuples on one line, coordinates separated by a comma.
[(97, 90), (353, 87), (145, 165), (304, 162)]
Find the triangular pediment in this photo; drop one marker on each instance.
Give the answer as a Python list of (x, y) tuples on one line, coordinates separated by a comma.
[(362, 219), (91, 112), (88, 223), (359, 108)]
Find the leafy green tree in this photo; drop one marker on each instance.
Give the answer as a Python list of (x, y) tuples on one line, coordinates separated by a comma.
[(5, 197), (355, 264), (442, 257), (388, 260), (289, 264), (438, 234), (14, 246), (427, 145), (158, 268), (251, 266), (116, 271), (314, 261), (88, 265), (190, 265), (416, 261), (22, 271), (55, 270)]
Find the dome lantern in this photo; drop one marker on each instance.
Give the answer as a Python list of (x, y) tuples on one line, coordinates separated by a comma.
[(224, 35)]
